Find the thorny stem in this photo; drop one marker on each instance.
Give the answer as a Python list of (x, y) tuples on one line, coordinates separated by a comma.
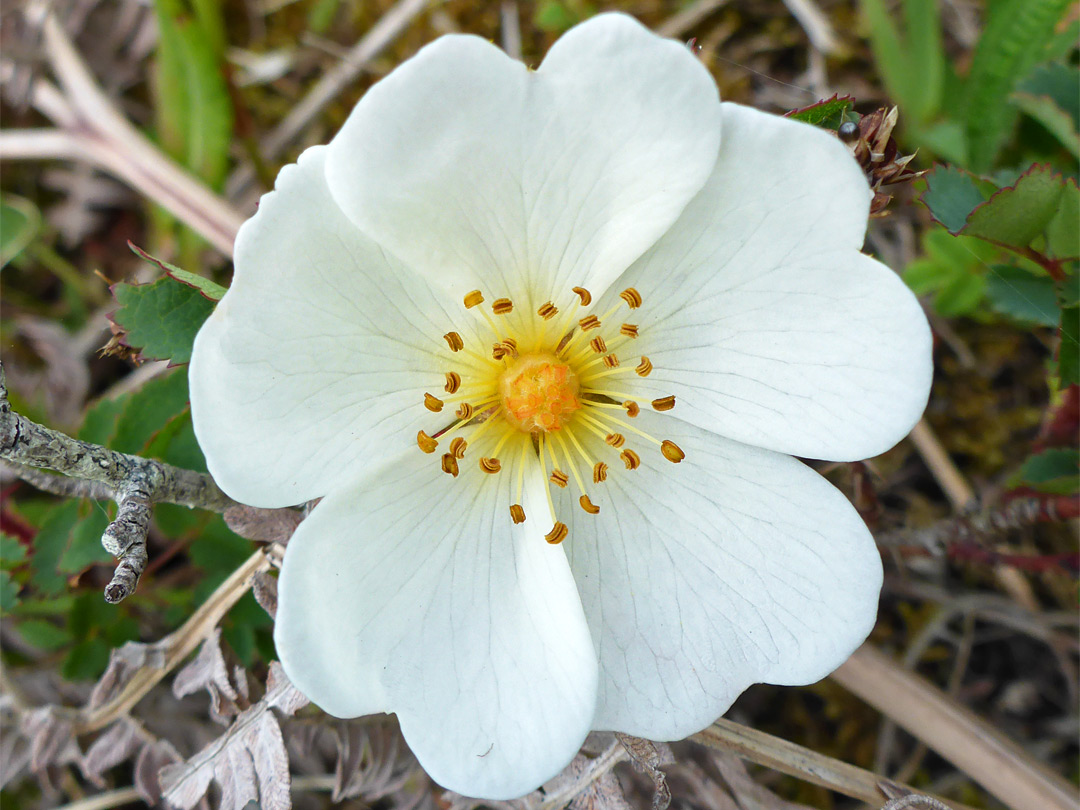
[(136, 484)]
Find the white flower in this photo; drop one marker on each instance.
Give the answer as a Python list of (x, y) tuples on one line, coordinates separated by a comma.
[(544, 254)]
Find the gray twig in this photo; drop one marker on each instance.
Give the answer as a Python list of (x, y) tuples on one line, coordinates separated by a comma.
[(135, 483), (58, 484)]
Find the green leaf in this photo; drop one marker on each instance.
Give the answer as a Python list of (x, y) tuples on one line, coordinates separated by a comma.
[(44, 634), (192, 105), (1063, 231), (86, 661), (161, 319), (322, 14), (19, 224), (1058, 82), (49, 544), (951, 271), (828, 113), (208, 288), (1022, 296), (1056, 471), (555, 16), (177, 445), (1016, 215), (1069, 350), (9, 592), (84, 547), (911, 62), (99, 422), (149, 409), (1013, 42), (952, 194), (12, 552)]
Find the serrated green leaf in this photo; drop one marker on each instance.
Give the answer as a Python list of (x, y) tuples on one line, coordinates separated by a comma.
[(1063, 232), (828, 113), (1056, 471), (84, 547), (213, 291), (161, 319), (12, 552), (1058, 82), (951, 194), (49, 544), (176, 444), (149, 409), (19, 223), (1013, 42), (951, 271), (1016, 215), (99, 421), (43, 634), (9, 592), (1022, 296), (1069, 349)]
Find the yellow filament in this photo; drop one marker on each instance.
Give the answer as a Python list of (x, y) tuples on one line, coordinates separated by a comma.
[(621, 423)]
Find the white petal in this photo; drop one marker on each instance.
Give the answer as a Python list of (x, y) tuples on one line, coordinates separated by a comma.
[(413, 592), (314, 365), (485, 174), (761, 316), (735, 566)]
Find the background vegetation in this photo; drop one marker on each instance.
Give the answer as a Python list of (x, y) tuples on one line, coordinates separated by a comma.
[(975, 515)]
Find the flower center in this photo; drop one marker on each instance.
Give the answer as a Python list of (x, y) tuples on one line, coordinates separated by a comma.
[(539, 392), (550, 393)]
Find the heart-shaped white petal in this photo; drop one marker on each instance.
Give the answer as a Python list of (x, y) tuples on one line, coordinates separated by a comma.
[(413, 592), (735, 566), (313, 366), (482, 173), (761, 316)]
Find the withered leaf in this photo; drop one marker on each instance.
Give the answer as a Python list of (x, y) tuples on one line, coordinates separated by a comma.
[(119, 742), (152, 758), (208, 671), (124, 662), (604, 793), (248, 761), (264, 587), (52, 738), (263, 525), (648, 757)]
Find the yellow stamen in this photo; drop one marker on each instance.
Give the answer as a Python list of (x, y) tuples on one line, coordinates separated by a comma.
[(453, 382), (473, 299), (672, 452), (557, 534), (449, 465), (425, 442), (433, 404), (632, 297), (454, 340), (664, 403)]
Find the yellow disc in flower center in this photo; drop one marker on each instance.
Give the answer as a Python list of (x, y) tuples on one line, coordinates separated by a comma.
[(539, 393)]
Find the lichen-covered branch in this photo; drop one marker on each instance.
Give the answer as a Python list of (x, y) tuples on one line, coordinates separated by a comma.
[(59, 484), (135, 483)]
